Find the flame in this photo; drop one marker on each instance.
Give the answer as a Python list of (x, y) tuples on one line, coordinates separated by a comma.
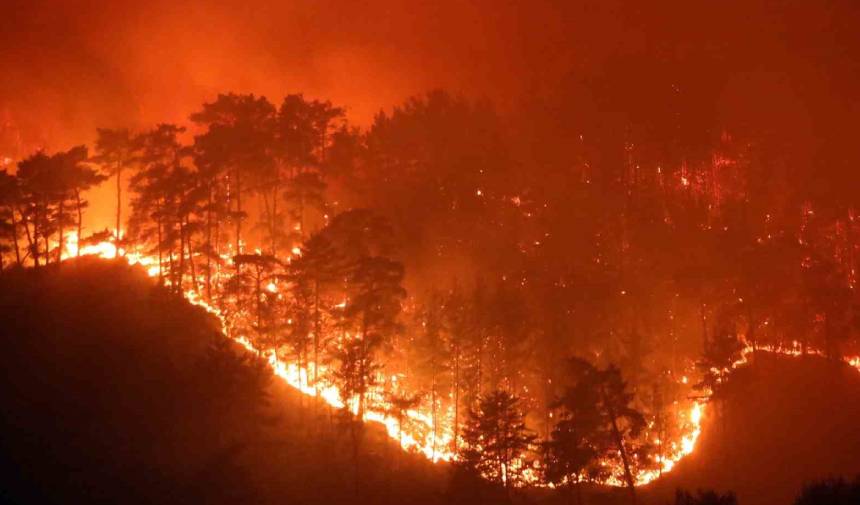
[(421, 436)]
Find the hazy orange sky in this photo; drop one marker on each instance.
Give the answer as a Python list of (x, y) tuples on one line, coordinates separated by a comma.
[(69, 66)]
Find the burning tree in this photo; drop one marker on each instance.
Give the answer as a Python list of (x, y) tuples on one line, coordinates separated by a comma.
[(433, 357), (313, 274), (250, 287), (372, 310)]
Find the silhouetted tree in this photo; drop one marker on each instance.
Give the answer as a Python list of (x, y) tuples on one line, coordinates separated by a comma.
[(50, 188), (40, 191), (115, 152), (375, 295), (721, 352), (575, 443), (599, 399), (460, 324), (314, 274), (238, 139), (249, 286), (157, 196), (305, 192), (78, 177), (9, 226), (704, 498), (304, 134), (830, 492), (495, 439), (433, 357)]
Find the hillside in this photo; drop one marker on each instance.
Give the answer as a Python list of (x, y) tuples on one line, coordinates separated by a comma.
[(783, 422), (116, 391)]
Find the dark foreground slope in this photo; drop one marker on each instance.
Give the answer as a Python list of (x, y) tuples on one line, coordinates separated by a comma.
[(115, 391), (783, 422)]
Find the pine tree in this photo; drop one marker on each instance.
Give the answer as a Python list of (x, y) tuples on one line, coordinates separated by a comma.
[(313, 274), (600, 402), (495, 439), (9, 221), (159, 187), (252, 298), (238, 140), (115, 152), (78, 177), (375, 296), (574, 445)]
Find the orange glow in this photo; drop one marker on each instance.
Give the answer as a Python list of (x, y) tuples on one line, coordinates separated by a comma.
[(417, 435)]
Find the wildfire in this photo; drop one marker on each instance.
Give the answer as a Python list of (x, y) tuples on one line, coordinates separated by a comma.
[(416, 431), (418, 436)]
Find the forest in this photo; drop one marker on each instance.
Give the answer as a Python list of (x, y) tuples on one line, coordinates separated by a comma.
[(534, 327), (460, 251)]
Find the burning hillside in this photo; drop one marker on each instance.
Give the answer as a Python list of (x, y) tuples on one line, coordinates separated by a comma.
[(531, 244)]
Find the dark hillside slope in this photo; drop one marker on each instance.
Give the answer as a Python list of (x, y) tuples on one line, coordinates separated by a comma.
[(784, 422), (115, 391)]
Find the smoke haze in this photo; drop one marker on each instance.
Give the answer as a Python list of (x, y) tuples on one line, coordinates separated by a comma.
[(72, 66)]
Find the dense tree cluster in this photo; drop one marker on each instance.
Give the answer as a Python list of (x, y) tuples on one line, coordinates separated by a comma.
[(42, 202), (446, 260)]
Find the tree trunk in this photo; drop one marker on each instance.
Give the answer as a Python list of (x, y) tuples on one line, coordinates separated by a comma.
[(15, 238), (267, 210), (160, 261), (181, 254), (317, 329), (275, 191), (364, 371), (218, 247), (456, 396), (433, 412), (238, 211), (46, 235), (80, 207), (61, 218), (619, 443), (302, 217), (191, 264), (209, 249), (171, 266), (258, 278), (118, 208), (33, 248), (480, 374)]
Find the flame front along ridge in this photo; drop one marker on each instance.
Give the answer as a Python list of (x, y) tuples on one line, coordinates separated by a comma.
[(417, 435)]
